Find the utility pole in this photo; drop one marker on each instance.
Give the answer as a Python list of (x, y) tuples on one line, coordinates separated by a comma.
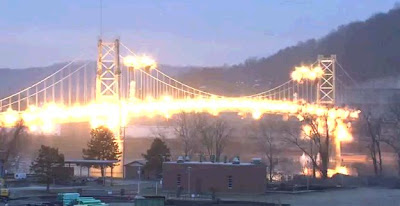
[(140, 178), (123, 152), (189, 169)]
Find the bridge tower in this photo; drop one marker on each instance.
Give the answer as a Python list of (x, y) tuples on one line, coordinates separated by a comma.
[(108, 87), (326, 85), (108, 71), (326, 94)]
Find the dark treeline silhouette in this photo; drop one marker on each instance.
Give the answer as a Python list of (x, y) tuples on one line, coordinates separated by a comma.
[(366, 50)]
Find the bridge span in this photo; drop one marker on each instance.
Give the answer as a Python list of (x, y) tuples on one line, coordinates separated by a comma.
[(129, 86)]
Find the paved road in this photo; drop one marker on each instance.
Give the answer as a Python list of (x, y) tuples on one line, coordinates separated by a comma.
[(344, 197), (14, 189)]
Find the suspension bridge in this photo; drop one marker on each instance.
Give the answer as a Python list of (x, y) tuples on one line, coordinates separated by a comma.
[(124, 85)]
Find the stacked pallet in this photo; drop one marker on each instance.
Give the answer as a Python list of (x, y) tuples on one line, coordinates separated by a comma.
[(89, 201), (67, 198)]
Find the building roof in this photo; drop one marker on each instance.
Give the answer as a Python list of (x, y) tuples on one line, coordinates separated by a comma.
[(91, 162), (212, 163), (137, 163)]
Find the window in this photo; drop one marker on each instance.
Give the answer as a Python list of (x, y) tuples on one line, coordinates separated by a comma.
[(178, 180), (230, 182)]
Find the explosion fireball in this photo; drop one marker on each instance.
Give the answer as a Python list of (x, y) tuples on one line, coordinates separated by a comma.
[(306, 73)]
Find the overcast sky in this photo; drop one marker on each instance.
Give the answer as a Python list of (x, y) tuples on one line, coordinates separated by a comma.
[(181, 32)]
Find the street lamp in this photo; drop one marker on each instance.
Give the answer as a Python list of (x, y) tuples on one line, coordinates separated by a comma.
[(139, 173), (189, 169)]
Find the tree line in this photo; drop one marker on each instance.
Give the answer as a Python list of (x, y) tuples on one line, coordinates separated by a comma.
[(365, 49)]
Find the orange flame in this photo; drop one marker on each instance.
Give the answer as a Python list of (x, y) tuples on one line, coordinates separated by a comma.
[(114, 114), (306, 73)]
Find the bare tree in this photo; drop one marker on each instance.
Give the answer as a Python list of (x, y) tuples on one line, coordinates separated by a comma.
[(394, 109), (221, 132), (305, 142), (160, 132), (394, 142), (322, 140), (391, 131), (265, 132), (319, 140), (213, 133), (10, 144), (374, 132), (186, 131), (205, 133)]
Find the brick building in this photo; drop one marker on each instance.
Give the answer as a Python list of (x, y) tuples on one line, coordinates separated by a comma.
[(203, 177)]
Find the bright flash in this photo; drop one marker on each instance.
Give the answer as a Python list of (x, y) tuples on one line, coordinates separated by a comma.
[(143, 61), (112, 114), (306, 73)]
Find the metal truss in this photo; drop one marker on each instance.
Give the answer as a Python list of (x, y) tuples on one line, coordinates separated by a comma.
[(326, 85), (108, 71)]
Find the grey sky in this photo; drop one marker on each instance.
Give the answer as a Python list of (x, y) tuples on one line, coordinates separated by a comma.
[(177, 32)]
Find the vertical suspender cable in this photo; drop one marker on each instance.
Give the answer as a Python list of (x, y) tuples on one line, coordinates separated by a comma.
[(62, 87), (158, 84), (27, 98), (84, 84), (141, 85), (36, 96), (19, 101), (77, 87), (52, 90), (69, 86), (128, 82), (44, 92)]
